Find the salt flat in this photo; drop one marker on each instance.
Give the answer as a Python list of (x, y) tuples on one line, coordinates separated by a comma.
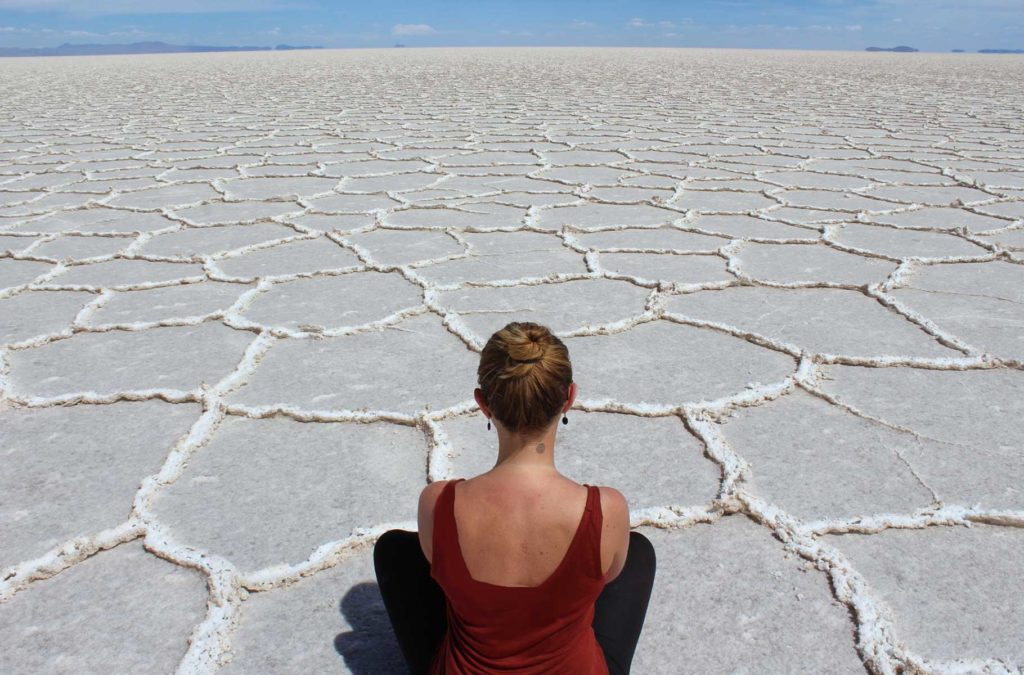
[(242, 298)]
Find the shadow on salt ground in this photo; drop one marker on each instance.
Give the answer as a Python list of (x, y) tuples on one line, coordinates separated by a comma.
[(370, 647)]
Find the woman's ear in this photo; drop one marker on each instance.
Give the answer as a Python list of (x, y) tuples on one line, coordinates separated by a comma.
[(478, 394), (573, 390)]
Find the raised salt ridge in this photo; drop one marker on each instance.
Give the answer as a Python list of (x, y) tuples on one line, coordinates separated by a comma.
[(242, 298)]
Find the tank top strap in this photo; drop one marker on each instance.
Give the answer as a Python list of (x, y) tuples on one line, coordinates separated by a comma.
[(593, 497), (445, 542), (446, 504), (593, 525)]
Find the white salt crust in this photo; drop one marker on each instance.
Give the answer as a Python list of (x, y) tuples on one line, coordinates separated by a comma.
[(451, 175)]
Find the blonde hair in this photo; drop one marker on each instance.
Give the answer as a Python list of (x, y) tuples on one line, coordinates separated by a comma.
[(525, 375)]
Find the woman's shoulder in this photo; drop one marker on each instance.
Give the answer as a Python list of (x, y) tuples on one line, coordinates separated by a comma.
[(429, 495), (612, 499), (425, 514), (614, 531)]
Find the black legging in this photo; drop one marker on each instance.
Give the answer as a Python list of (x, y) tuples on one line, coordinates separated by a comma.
[(416, 604)]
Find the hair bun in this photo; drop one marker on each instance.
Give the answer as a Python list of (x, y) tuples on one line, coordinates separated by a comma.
[(525, 375), (527, 347)]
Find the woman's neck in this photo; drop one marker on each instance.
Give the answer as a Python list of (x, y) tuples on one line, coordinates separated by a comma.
[(532, 451)]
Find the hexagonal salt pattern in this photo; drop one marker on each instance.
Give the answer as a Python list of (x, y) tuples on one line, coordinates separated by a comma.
[(78, 468), (239, 334), (126, 274), (954, 592), (334, 301), (980, 303), (175, 358), (572, 306), (960, 431), (195, 241), (696, 364), (78, 621), (811, 320), (745, 601), (304, 484), (506, 256), (98, 220), (904, 243), (167, 303), (15, 273), (825, 462), (289, 258), (333, 621), (27, 315), (791, 264)]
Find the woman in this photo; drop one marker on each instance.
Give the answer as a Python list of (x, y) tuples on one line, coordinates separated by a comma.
[(519, 569)]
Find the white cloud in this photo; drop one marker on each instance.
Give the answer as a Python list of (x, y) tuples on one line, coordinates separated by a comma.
[(412, 29), (855, 26), (665, 25), (129, 32), (580, 23)]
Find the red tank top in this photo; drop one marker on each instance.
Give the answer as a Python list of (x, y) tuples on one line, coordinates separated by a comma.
[(520, 629)]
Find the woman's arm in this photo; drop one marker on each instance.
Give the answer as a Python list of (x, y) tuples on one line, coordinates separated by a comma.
[(425, 515), (615, 532)]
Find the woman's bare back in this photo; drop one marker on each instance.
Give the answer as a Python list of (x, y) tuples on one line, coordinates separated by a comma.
[(515, 530)]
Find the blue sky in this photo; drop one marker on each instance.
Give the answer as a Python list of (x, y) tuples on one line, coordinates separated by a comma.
[(931, 25)]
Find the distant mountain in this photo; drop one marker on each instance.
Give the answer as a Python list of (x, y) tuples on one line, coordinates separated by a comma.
[(67, 49), (901, 48), (1001, 51)]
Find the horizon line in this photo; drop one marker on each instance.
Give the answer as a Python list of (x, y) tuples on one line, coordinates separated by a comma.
[(988, 51)]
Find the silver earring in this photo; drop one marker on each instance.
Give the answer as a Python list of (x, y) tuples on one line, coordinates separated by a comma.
[(565, 420)]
